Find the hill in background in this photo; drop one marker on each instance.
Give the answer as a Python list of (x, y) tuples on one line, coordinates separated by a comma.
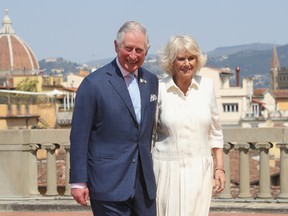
[(254, 60)]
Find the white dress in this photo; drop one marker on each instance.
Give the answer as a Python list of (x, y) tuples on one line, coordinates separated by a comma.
[(188, 128)]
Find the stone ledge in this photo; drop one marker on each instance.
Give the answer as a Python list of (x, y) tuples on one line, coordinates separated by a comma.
[(45, 204), (68, 204), (263, 206)]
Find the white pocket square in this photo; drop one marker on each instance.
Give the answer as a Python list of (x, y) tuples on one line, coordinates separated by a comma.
[(153, 97)]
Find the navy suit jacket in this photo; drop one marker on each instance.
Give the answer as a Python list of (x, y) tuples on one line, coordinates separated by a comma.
[(106, 139)]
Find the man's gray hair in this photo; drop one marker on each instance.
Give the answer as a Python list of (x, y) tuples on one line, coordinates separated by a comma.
[(131, 26)]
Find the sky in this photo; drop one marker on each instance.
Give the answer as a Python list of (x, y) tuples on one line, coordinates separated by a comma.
[(82, 31)]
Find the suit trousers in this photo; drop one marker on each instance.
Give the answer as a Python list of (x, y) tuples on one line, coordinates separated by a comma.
[(137, 205)]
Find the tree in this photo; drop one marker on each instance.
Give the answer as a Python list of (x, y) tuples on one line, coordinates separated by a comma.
[(27, 84)]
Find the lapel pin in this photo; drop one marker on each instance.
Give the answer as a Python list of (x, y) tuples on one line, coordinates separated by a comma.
[(143, 80)]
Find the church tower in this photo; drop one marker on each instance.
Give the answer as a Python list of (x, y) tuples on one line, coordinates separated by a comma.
[(274, 69)]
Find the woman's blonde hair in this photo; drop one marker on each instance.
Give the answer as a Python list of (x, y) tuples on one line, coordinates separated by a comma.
[(176, 44)]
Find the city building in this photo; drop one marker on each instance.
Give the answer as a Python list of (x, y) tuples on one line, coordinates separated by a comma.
[(278, 74), (23, 104), (279, 88), (16, 57), (235, 103)]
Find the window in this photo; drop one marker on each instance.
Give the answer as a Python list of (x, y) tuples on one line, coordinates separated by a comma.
[(230, 107), (255, 110), (18, 109)]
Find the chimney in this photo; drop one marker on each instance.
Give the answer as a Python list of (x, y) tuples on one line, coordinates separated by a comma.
[(237, 69)]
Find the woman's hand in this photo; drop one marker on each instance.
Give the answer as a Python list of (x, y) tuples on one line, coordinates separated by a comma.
[(219, 180)]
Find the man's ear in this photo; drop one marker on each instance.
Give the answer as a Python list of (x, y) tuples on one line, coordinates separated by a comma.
[(146, 52), (116, 47)]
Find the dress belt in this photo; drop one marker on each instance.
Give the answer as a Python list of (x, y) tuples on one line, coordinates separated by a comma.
[(176, 156)]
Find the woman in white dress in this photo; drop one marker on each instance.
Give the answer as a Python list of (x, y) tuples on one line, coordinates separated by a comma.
[(188, 133)]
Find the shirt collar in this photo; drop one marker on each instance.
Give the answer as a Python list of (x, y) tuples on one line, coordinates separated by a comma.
[(123, 71), (171, 84)]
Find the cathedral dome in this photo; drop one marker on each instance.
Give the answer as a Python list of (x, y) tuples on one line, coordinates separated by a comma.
[(16, 57)]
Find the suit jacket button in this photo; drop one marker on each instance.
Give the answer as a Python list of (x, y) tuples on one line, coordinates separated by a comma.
[(134, 160)]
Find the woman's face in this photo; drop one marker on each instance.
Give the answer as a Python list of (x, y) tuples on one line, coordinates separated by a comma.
[(184, 65)]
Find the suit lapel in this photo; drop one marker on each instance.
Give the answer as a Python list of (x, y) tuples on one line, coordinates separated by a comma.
[(118, 83), (144, 92)]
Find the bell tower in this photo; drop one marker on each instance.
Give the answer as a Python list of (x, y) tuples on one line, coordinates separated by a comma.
[(274, 69)]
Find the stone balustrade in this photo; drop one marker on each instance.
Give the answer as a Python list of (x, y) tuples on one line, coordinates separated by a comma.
[(19, 163)]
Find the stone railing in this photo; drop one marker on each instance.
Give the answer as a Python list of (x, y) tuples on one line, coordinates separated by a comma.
[(19, 164)]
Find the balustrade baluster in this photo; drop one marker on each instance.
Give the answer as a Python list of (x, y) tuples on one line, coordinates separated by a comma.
[(51, 170), (33, 169), (283, 170), (244, 187), (67, 171), (226, 193), (264, 170)]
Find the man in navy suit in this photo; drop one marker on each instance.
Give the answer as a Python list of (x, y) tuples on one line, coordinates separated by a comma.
[(111, 133)]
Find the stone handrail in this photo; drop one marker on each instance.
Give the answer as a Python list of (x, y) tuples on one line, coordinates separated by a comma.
[(19, 171)]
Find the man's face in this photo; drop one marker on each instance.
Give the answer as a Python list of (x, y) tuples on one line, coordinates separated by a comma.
[(132, 51)]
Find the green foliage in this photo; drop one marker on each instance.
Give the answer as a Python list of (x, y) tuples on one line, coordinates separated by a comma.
[(27, 84)]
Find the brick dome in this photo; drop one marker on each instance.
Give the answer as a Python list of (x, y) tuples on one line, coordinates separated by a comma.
[(16, 57)]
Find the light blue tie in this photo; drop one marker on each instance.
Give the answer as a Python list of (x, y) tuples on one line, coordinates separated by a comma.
[(134, 92)]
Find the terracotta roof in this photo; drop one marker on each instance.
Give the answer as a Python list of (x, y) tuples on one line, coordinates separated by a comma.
[(258, 101), (280, 93), (83, 73), (260, 91)]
